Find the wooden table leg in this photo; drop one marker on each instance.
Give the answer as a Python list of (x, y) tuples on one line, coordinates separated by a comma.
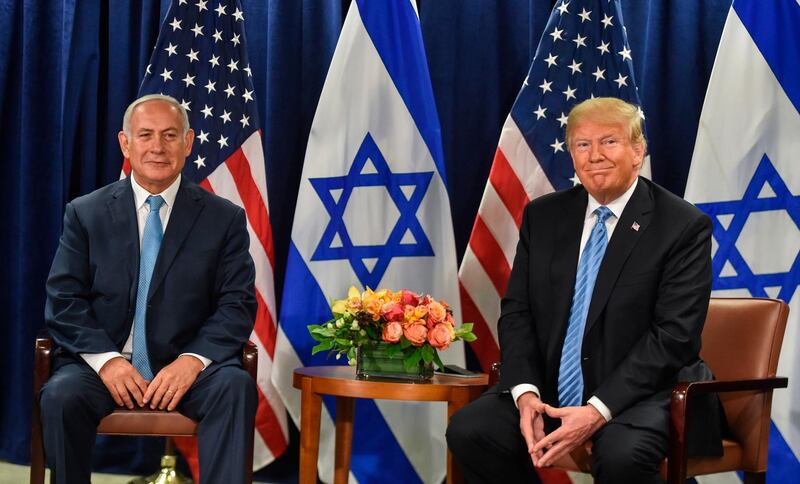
[(344, 439), (310, 411), (458, 398)]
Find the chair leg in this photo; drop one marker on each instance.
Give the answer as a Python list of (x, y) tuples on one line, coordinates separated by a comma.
[(37, 447), (755, 477)]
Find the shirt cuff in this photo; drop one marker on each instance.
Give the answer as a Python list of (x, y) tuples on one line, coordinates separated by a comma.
[(601, 407), (518, 390), (205, 361), (97, 360)]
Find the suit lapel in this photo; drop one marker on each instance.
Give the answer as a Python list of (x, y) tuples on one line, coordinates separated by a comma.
[(638, 210), (188, 205), (122, 212), (564, 265)]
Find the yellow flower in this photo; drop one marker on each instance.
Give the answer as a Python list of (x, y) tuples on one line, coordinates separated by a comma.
[(339, 307)]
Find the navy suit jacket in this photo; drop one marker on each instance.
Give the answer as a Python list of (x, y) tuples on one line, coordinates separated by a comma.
[(649, 304), (201, 297)]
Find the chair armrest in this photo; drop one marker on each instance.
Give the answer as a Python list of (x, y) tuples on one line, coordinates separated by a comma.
[(41, 361), (250, 359), (682, 393)]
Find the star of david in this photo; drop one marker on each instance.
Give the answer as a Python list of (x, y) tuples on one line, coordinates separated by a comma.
[(745, 278), (331, 247)]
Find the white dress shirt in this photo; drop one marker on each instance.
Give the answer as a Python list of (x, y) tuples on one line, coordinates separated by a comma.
[(589, 220), (97, 360)]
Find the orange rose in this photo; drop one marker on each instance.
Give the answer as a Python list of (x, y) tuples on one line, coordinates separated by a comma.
[(441, 336), (415, 333), (392, 312), (392, 332), (436, 311)]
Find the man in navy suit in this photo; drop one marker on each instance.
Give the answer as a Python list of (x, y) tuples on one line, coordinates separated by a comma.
[(591, 346), (163, 330)]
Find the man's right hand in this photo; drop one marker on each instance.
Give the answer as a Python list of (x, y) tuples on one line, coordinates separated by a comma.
[(123, 382), (531, 423)]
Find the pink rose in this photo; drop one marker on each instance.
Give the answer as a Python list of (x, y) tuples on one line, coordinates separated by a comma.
[(392, 312), (392, 332), (415, 333), (408, 298), (441, 336)]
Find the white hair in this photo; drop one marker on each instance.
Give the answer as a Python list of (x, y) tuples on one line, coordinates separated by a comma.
[(126, 120)]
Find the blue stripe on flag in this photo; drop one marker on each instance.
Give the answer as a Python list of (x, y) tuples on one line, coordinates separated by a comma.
[(774, 27), (394, 29), (782, 464), (302, 299)]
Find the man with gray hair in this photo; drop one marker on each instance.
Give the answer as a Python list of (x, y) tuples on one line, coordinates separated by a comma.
[(150, 298)]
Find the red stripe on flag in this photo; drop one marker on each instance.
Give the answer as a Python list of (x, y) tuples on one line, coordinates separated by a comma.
[(490, 255), (205, 184), (485, 347), (268, 427), (254, 205), (188, 448), (508, 187), (265, 327)]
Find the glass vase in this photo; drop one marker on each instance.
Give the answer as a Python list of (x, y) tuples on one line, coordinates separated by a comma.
[(373, 362)]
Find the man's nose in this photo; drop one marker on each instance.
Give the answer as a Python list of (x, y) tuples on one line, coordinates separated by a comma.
[(595, 153), (157, 145)]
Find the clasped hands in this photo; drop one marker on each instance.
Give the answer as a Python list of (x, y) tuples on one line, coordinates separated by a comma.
[(577, 425), (127, 386)]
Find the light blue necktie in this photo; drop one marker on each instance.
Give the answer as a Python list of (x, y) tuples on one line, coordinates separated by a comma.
[(570, 377), (151, 242)]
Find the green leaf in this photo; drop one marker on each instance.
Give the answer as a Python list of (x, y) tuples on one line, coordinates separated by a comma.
[(325, 345), (438, 361), (412, 360), (465, 328), (343, 342), (469, 337), (393, 349), (404, 342), (427, 353)]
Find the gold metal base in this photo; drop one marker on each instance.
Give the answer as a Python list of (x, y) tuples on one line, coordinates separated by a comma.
[(167, 474)]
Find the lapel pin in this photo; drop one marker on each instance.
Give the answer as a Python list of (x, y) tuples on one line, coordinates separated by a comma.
[(635, 226)]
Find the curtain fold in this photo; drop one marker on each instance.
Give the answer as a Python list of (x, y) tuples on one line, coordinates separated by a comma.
[(68, 69)]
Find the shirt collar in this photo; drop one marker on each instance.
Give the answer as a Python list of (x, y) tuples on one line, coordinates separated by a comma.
[(616, 206), (140, 194)]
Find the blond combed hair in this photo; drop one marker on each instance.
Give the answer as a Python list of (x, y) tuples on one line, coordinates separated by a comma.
[(609, 110)]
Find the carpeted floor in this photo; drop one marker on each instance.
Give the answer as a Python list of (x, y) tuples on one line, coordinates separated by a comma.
[(14, 474)]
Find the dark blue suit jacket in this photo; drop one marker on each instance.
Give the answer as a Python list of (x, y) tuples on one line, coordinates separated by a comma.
[(201, 298)]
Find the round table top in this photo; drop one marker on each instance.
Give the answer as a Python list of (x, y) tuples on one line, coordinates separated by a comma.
[(342, 381)]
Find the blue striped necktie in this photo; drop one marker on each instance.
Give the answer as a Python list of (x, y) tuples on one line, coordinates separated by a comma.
[(570, 377), (151, 242)]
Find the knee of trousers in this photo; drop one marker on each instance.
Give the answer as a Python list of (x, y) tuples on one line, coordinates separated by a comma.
[(63, 398), (236, 386), (465, 432), (622, 460)]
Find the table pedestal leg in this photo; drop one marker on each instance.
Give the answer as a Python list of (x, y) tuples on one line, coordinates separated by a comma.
[(310, 411), (344, 439)]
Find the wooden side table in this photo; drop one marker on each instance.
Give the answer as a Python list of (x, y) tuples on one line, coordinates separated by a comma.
[(341, 381)]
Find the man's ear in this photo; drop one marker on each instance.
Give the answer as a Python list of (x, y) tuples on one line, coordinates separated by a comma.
[(123, 144), (638, 152)]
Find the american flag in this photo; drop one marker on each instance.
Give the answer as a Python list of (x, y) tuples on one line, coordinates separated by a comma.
[(583, 52), (200, 59)]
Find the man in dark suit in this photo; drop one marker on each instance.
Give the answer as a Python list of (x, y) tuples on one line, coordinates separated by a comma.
[(149, 300), (592, 345)]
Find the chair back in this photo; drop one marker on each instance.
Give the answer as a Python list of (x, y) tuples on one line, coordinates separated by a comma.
[(741, 340)]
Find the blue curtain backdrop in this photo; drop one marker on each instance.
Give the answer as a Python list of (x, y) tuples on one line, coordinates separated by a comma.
[(68, 68)]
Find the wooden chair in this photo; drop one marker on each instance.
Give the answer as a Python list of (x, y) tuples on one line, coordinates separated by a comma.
[(742, 341), (140, 421)]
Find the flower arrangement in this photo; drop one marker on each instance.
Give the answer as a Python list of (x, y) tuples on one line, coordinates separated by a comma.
[(410, 324)]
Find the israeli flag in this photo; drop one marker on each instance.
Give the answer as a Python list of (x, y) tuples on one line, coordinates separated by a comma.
[(372, 211), (745, 174)]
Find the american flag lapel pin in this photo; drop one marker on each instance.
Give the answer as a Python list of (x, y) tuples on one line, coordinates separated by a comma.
[(635, 226)]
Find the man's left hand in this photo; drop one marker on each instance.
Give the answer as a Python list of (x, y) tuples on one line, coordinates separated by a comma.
[(172, 383), (577, 425)]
